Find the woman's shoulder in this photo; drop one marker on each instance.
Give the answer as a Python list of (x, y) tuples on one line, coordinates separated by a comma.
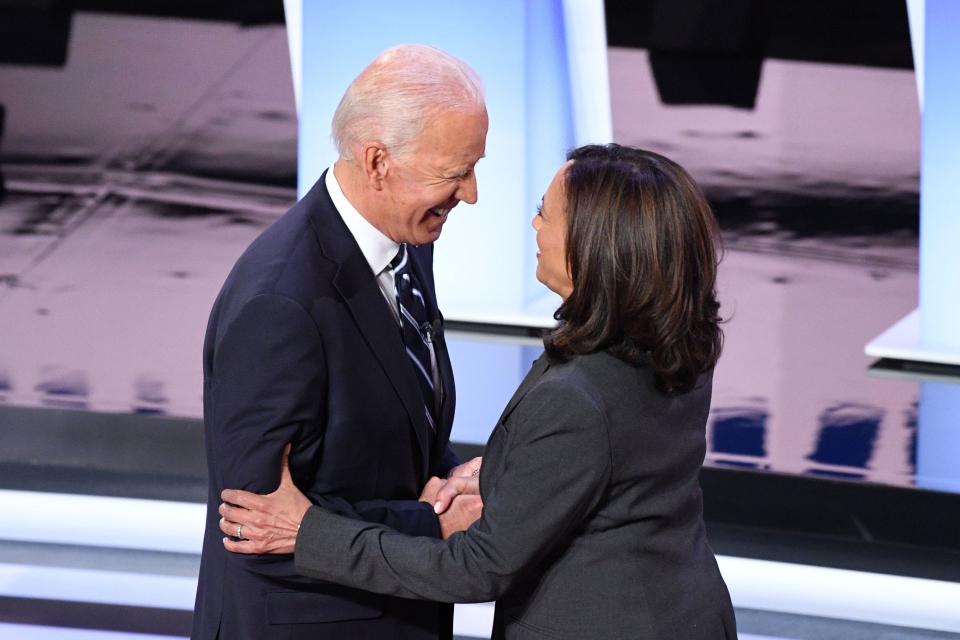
[(606, 370), (599, 370), (585, 379), (566, 399), (611, 382)]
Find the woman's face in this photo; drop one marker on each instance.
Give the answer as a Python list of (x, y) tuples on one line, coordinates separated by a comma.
[(551, 225)]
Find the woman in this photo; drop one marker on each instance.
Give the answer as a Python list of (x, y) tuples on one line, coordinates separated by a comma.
[(592, 523)]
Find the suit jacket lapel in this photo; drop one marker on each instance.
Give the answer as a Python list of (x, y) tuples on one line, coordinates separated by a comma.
[(540, 366), (447, 394), (421, 259), (380, 330), (358, 287)]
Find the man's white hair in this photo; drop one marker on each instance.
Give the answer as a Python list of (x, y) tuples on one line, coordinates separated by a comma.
[(392, 99)]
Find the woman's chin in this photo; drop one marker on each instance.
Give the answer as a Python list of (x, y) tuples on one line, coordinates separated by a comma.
[(550, 287)]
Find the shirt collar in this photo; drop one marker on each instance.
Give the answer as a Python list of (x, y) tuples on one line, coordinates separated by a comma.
[(377, 248)]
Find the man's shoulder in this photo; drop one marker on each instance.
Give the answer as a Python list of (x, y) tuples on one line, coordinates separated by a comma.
[(293, 235), (285, 260)]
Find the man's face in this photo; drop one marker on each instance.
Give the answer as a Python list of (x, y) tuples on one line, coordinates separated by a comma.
[(437, 174)]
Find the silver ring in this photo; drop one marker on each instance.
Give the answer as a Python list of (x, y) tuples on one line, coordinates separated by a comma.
[(476, 472), (240, 531)]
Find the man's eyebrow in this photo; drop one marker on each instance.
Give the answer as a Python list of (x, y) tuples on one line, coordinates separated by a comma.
[(464, 169)]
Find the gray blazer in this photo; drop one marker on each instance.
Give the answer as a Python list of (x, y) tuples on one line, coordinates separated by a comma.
[(592, 524)]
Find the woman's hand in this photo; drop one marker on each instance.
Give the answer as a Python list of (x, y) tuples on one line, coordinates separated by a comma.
[(471, 468), (264, 524)]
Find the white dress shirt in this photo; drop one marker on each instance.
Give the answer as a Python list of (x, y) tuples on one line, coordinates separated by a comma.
[(378, 249)]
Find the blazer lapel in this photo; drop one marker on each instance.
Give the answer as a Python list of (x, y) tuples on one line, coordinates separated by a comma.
[(370, 311), (447, 393), (380, 330), (540, 366), (421, 258)]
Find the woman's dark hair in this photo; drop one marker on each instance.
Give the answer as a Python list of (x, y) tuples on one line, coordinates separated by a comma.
[(642, 253)]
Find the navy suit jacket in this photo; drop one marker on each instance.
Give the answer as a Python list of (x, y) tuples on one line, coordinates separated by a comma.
[(302, 347)]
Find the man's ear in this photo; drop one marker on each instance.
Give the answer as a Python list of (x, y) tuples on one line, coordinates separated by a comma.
[(375, 164)]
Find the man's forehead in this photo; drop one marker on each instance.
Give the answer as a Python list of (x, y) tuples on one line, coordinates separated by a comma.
[(448, 118), (452, 152)]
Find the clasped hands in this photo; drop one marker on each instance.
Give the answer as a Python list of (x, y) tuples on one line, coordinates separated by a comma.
[(456, 500), (269, 523)]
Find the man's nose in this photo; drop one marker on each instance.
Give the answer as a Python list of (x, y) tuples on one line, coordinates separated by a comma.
[(467, 191)]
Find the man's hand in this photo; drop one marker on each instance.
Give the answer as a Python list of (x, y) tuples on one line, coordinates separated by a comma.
[(463, 512), (468, 469), (429, 493), (461, 486), (440, 493)]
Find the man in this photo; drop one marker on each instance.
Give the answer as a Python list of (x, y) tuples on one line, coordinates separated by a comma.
[(325, 335)]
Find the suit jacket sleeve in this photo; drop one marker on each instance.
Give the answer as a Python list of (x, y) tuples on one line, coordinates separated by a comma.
[(268, 375), (447, 462), (555, 473), (267, 370)]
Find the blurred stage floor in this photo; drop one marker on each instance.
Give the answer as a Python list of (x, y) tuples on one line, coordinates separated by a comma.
[(58, 592)]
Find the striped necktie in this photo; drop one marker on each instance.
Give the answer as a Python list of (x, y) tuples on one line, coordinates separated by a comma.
[(413, 316)]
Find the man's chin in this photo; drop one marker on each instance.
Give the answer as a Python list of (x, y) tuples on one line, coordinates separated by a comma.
[(426, 236)]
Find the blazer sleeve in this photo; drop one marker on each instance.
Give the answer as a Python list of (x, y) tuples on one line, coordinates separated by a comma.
[(555, 473), (268, 366), (409, 516), (447, 462)]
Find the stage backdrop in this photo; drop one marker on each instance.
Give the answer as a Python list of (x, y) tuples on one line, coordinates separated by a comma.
[(142, 151), (136, 168)]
